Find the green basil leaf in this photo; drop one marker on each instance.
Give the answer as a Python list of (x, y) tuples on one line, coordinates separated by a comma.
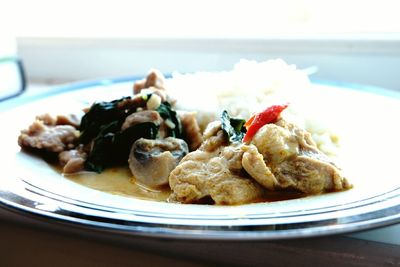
[(233, 127), (112, 146), (99, 115), (166, 112), (100, 155)]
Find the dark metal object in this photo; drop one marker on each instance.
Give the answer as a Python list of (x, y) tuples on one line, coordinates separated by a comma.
[(21, 72)]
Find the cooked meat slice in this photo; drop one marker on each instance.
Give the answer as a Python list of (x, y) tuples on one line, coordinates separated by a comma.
[(303, 137), (146, 116), (275, 143), (295, 161), (212, 129), (309, 175), (141, 117), (254, 165), (161, 93), (213, 137), (214, 142), (191, 130), (151, 161), (138, 86), (49, 120), (203, 174), (71, 119), (154, 79), (154, 83), (72, 160), (50, 138), (233, 156), (135, 102)]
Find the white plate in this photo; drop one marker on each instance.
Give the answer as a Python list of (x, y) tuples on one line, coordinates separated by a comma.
[(368, 122)]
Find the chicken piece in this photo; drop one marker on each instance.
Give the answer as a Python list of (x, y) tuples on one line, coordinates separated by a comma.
[(295, 161), (212, 129), (191, 130), (151, 161), (253, 163), (233, 156), (275, 143), (203, 174), (213, 137), (72, 160), (50, 138), (310, 175)]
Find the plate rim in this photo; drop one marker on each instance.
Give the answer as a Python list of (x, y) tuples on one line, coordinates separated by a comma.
[(178, 231)]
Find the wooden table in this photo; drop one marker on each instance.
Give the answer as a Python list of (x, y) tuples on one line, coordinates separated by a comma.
[(28, 241)]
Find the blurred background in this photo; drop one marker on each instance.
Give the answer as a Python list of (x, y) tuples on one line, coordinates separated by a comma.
[(63, 41)]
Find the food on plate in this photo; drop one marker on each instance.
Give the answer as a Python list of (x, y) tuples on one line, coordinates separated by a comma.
[(151, 161), (227, 152), (279, 156)]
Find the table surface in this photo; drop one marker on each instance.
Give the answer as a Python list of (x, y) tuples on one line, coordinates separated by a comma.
[(45, 243)]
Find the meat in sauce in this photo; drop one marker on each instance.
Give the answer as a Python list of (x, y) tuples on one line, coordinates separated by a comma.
[(225, 165)]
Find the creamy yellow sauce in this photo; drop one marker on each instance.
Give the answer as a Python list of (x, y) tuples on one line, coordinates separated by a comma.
[(119, 181)]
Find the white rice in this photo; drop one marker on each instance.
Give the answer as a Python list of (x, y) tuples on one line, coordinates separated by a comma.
[(248, 88)]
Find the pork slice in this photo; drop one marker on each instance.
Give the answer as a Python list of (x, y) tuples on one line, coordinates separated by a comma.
[(72, 160), (153, 79), (70, 119), (141, 117), (191, 130), (50, 138), (50, 120)]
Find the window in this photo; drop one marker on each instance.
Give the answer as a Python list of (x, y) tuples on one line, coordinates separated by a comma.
[(206, 18), (353, 40)]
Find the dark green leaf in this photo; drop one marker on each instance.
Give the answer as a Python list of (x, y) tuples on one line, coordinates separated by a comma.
[(124, 140), (112, 146), (100, 114), (166, 112), (233, 127), (99, 156), (101, 125)]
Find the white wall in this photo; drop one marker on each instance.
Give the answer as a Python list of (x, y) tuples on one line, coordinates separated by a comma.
[(372, 60)]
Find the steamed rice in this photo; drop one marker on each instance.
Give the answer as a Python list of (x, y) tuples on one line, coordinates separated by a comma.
[(248, 88)]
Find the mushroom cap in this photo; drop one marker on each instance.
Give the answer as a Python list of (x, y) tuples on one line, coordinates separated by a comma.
[(151, 161)]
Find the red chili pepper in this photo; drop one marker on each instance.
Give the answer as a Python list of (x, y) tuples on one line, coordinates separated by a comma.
[(250, 121), (269, 115)]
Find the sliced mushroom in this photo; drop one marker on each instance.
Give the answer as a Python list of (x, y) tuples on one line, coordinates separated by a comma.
[(151, 161)]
